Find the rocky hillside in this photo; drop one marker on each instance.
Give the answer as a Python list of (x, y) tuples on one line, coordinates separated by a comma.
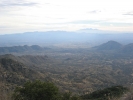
[(14, 73)]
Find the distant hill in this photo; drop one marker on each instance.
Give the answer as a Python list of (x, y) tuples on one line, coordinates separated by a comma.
[(115, 47), (18, 49), (127, 48), (110, 45)]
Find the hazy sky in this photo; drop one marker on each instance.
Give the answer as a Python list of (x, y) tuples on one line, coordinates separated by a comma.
[(69, 15)]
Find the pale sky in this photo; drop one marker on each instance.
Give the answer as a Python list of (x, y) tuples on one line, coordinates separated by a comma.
[(17, 16)]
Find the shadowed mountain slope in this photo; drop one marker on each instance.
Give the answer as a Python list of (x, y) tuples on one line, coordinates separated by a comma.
[(30, 60), (15, 72), (127, 48)]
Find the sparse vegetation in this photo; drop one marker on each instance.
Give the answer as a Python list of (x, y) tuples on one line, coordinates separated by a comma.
[(79, 70), (107, 93), (36, 91)]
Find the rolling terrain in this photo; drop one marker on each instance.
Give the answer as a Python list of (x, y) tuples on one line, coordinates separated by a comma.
[(80, 70)]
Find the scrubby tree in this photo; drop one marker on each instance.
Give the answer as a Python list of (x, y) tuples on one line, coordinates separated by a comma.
[(36, 91), (69, 96), (107, 93)]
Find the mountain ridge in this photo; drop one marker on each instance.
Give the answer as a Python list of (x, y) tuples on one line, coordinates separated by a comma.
[(19, 49), (53, 37)]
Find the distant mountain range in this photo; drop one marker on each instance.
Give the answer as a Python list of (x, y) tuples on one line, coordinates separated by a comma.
[(93, 36)]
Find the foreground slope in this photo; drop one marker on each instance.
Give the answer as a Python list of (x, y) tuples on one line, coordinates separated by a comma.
[(14, 73)]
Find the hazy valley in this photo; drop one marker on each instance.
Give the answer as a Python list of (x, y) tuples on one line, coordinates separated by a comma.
[(78, 69)]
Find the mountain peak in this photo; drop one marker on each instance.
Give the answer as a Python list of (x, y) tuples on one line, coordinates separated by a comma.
[(110, 45)]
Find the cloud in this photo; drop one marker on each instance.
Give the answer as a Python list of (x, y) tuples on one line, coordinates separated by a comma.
[(16, 3), (3, 27), (116, 24), (94, 11), (129, 13), (103, 23), (85, 22), (28, 15)]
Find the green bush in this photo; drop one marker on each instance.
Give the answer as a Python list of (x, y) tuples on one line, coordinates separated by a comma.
[(106, 94), (69, 96), (36, 91)]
